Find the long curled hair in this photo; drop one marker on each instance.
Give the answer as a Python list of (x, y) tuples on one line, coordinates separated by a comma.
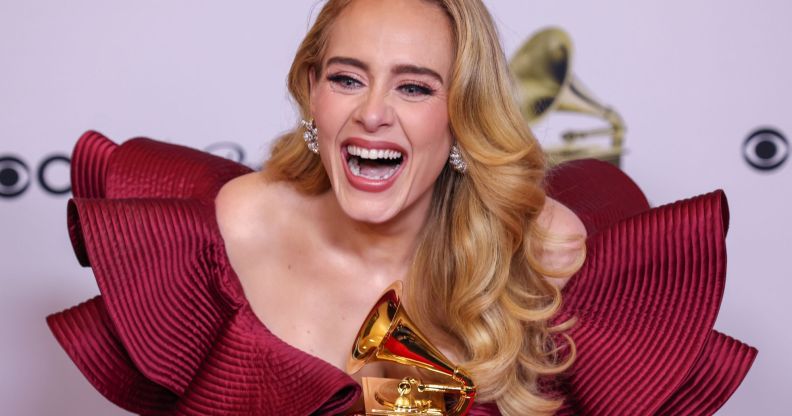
[(479, 251)]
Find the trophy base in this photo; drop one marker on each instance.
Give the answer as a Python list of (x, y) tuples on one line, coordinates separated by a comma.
[(381, 395)]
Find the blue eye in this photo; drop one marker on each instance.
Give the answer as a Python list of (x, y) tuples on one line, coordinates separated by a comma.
[(415, 90), (344, 81)]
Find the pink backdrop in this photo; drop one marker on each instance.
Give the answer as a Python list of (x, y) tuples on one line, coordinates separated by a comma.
[(692, 80)]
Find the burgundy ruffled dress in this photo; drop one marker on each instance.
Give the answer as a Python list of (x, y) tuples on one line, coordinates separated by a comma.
[(172, 333)]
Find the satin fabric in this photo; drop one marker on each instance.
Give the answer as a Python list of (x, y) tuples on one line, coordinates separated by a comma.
[(172, 334)]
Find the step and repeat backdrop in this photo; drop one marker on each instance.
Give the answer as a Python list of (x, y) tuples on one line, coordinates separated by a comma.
[(703, 88)]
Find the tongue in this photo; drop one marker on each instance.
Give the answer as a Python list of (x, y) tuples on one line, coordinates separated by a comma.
[(373, 169)]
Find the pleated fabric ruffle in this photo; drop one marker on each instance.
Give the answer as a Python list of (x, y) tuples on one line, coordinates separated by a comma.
[(172, 333), (646, 300)]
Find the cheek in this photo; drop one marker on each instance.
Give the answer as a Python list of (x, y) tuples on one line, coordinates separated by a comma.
[(430, 133), (330, 114), (329, 119)]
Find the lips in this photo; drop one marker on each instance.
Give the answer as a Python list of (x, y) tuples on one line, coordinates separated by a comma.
[(372, 166)]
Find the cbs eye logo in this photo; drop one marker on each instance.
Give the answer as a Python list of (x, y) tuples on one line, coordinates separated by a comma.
[(16, 176), (766, 149)]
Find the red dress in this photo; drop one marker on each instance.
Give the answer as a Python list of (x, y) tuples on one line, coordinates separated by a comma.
[(172, 333)]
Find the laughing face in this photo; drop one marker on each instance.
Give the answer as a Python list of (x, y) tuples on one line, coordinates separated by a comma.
[(380, 104)]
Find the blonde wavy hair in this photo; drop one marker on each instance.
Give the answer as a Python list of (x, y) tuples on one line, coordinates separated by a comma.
[(480, 249)]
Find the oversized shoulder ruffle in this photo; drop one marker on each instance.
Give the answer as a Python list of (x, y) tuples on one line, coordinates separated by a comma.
[(646, 300), (171, 332)]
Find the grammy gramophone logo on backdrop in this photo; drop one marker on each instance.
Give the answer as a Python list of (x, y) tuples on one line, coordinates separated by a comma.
[(52, 172), (543, 70)]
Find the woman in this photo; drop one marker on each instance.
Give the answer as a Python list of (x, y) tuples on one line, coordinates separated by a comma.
[(382, 77), (413, 164)]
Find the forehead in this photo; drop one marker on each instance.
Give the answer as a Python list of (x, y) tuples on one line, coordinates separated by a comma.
[(387, 32)]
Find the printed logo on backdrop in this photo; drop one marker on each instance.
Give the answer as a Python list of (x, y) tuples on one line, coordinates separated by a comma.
[(14, 176), (51, 174), (766, 149), (229, 150)]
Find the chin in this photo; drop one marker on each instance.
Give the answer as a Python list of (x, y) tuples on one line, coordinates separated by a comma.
[(368, 209)]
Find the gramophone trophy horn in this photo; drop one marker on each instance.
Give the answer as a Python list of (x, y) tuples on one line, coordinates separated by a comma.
[(389, 335), (542, 68)]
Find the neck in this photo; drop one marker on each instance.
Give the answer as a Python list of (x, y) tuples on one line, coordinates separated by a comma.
[(386, 248)]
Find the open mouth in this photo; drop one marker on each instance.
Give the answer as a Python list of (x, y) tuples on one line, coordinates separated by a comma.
[(373, 164)]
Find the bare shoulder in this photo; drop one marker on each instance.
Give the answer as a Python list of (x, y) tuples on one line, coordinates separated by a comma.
[(564, 246), (250, 213), (238, 199), (559, 219)]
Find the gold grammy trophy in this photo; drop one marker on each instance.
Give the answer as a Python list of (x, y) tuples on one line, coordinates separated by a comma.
[(389, 335), (542, 68)]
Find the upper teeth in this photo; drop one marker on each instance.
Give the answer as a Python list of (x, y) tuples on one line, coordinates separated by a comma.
[(364, 153)]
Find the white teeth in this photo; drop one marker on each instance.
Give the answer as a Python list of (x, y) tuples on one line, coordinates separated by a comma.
[(373, 153)]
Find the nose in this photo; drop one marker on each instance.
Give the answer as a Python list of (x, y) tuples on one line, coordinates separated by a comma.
[(374, 111)]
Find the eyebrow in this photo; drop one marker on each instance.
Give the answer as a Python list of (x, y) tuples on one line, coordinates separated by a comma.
[(418, 70), (348, 61), (397, 70)]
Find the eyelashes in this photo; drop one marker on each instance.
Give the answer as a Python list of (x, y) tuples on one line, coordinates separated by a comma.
[(344, 81), (414, 89), (410, 89)]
